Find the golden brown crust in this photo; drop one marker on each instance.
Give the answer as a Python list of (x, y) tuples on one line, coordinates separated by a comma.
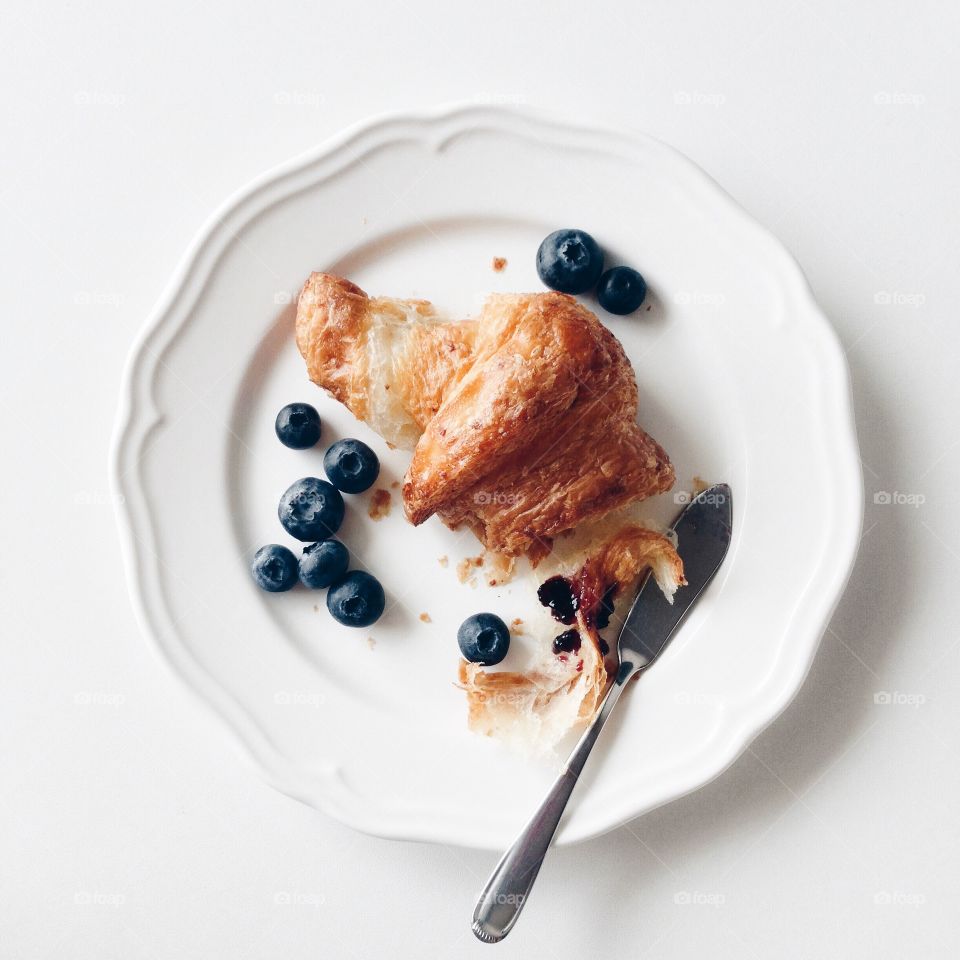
[(435, 355), (523, 422), (331, 315), (619, 562)]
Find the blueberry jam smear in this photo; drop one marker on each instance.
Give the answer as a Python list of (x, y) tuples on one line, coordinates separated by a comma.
[(567, 642), (557, 594)]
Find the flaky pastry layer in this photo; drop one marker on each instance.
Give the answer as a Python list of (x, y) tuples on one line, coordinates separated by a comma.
[(534, 709)]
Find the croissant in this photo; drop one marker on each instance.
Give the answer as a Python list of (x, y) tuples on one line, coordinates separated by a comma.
[(522, 422)]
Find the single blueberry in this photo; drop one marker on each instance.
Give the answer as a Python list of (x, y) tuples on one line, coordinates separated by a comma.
[(274, 568), (311, 509), (356, 600), (484, 639), (570, 261), (351, 466), (298, 426), (322, 563), (621, 290)]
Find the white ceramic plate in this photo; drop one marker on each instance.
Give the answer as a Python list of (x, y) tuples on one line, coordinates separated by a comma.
[(741, 379)]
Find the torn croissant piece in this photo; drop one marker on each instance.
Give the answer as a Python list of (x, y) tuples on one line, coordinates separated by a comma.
[(534, 709), (523, 422)]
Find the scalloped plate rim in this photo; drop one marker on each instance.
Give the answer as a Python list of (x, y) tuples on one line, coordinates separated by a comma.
[(134, 423)]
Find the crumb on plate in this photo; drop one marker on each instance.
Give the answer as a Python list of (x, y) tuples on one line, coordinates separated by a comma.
[(380, 504), (501, 567), (699, 484), (444, 561), (425, 618), (466, 568), (371, 643), (499, 263)]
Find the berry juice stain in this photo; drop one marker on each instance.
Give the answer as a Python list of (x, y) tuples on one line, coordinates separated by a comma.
[(606, 608), (567, 642)]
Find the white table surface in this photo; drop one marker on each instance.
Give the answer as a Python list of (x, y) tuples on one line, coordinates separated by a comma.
[(129, 825)]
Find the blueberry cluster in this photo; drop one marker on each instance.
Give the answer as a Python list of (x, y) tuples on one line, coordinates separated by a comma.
[(311, 510), (571, 261)]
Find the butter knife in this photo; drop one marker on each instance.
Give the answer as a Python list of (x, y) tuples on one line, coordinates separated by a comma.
[(704, 530)]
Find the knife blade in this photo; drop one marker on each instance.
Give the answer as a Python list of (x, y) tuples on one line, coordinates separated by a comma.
[(703, 530)]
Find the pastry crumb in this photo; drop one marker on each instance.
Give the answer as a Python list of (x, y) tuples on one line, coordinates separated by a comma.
[(444, 561), (463, 569), (395, 485), (501, 567), (699, 484), (499, 263), (371, 643), (380, 504), (425, 618), (466, 568), (516, 626)]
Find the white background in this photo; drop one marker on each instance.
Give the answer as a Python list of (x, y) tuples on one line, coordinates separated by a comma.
[(129, 826)]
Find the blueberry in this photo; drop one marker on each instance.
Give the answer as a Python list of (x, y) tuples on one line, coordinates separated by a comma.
[(356, 600), (322, 563), (274, 568), (298, 426), (311, 509), (484, 639), (570, 261), (621, 290), (351, 466)]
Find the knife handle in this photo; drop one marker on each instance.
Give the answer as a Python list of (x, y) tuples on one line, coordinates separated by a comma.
[(509, 885)]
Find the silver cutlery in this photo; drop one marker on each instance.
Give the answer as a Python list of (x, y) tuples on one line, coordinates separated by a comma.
[(704, 530)]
